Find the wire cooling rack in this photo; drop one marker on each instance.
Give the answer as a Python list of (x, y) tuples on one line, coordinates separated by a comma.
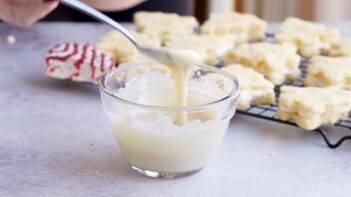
[(267, 112)]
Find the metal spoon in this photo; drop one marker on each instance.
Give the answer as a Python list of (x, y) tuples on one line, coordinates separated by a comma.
[(157, 54)]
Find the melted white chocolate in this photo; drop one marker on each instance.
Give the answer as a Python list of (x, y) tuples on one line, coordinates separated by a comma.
[(181, 64)]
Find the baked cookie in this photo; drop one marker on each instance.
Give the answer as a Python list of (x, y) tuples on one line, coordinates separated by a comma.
[(160, 24), (210, 47), (310, 38), (248, 27), (277, 62), (254, 88), (311, 107), (121, 48), (340, 48), (329, 71), (125, 53)]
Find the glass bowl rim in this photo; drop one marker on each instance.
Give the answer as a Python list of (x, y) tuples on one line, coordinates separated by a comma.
[(234, 93)]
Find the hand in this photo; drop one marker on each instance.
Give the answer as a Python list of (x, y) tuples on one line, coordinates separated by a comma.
[(112, 5), (24, 13)]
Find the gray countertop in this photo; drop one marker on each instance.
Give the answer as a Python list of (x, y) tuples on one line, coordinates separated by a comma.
[(55, 139)]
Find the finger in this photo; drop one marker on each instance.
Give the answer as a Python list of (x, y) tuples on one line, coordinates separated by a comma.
[(39, 12), (47, 7), (29, 12)]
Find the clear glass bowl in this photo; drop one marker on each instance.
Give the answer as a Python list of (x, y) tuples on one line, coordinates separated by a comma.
[(139, 101)]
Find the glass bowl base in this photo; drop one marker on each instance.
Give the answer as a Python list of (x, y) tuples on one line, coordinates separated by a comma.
[(164, 175)]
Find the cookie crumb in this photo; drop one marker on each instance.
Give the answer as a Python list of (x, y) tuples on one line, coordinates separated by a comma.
[(10, 39)]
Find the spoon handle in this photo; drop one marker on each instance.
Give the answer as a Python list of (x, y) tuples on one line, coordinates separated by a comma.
[(77, 5)]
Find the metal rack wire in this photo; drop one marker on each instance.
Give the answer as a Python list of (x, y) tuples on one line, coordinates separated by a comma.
[(267, 112)]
